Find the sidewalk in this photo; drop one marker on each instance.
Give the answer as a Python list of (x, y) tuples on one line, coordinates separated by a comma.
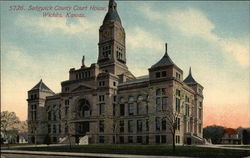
[(67, 154), (233, 147)]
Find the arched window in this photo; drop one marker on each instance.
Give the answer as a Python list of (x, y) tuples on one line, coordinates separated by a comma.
[(122, 100), (131, 99), (140, 98), (84, 108)]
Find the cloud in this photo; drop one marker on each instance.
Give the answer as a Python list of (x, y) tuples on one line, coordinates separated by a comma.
[(140, 38), (48, 25), (191, 22), (194, 23), (239, 50)]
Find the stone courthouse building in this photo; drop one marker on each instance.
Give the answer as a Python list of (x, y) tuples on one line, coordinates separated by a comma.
[(106, 103)]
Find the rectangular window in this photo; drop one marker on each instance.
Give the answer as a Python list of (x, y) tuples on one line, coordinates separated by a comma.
[(66, 89), (199, 126), (163, 139), (130, 126), (54, 128), (59, 128), (66, 111), (147, 139), (114, 109), (114, 83), (139, 125), (178, 92), (66, 102), (59, 114), (122, 109), (177, 104), (114, 98), (66, 129), (101, 108), (131, 109), (121, 126), (200, 113), (54, 116), (101, 139), (177, 139), (178, 121), (139, 139), (157, 139), (130, 139), (101, 98), (163, 124), (147, 124), (157, 74), (101, 126), (49, 115), (163, 73), (163, 91), (158, 104), (187, 110), (49, 128), (121, 139), (140, 108), (158, 92), (102, 83), (157, 124), (164, 103)]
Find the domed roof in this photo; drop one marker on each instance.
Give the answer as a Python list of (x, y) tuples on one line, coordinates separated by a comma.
[(112, 12), (189, 78), (165, 60)]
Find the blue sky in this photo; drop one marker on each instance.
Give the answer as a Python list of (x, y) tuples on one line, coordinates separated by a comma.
[(212, 37)]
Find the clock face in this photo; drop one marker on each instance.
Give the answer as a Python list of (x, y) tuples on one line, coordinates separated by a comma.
[(106, 34), (121, 35)]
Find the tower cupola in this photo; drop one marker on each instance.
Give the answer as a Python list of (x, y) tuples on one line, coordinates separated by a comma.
[(165, 60), (112, 14), (190, 78)]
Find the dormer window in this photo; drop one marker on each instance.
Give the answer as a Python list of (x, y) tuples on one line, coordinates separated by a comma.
[(66, 89), (157, 74), (178, 76), (102, 83), (163, 73)]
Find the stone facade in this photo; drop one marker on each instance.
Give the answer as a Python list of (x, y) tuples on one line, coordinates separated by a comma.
[(106, 103)]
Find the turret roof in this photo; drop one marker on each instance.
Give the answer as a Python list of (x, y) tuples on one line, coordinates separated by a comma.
[(112, 12), (165, 60), (190, 78), (41, 86)]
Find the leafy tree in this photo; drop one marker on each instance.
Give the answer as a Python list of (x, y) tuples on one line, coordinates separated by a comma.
[(245, 136), (8, 122), (215, 133)]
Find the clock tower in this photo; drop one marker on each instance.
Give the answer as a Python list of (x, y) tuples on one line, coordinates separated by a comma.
[(112, 50)]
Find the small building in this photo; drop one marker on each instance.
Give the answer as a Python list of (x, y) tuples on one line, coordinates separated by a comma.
[(230, 137)]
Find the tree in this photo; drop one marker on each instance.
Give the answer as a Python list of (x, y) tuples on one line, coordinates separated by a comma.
[(215, 133), (245, 136), (23, 127), (172, 120), (8, 122)]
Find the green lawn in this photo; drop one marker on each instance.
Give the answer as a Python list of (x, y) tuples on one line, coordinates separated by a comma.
[(243, 146), (12, 145), (146, 150)]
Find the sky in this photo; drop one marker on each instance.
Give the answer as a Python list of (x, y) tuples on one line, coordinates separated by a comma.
[(211, 37)]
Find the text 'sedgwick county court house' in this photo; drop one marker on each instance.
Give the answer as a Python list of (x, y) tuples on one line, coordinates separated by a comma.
[(106, 103)]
